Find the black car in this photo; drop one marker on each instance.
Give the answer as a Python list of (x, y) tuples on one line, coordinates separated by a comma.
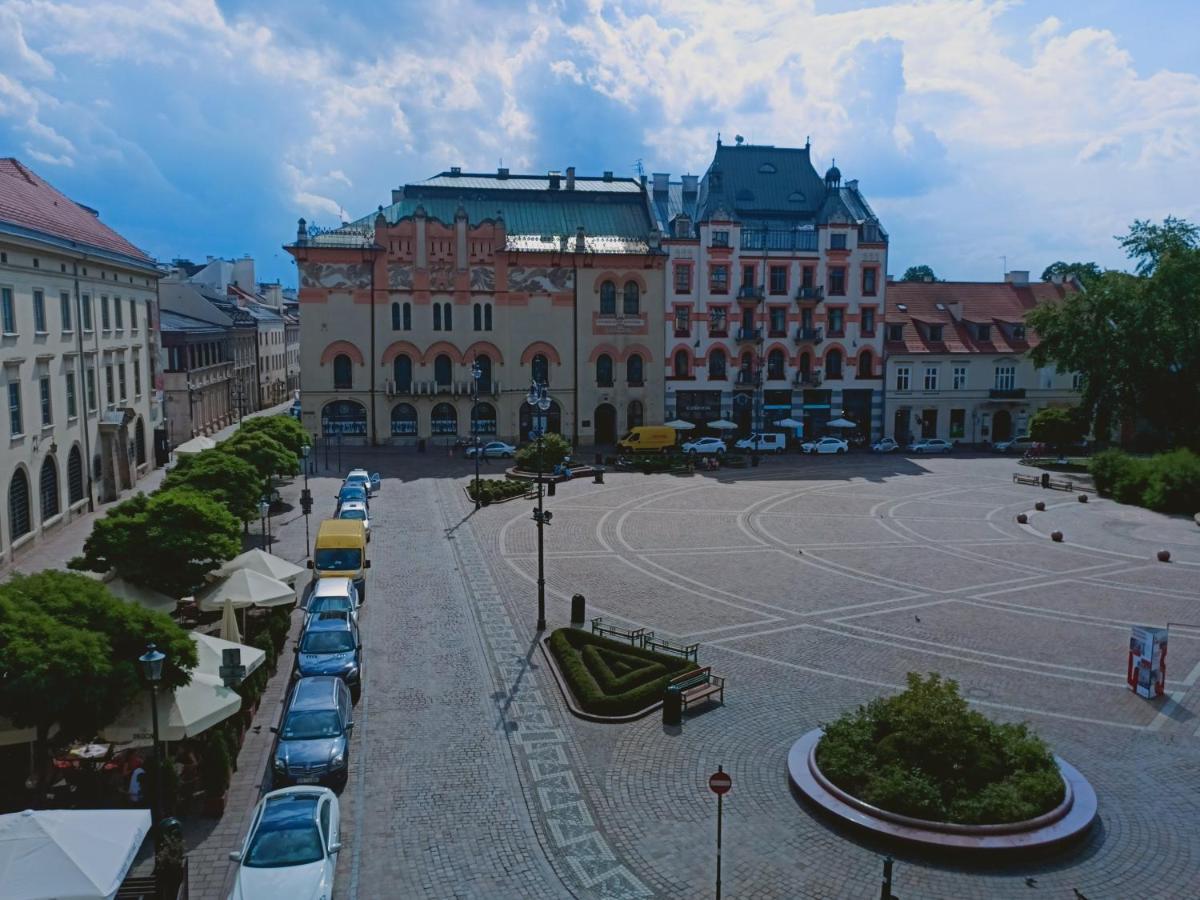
[(331, 645)]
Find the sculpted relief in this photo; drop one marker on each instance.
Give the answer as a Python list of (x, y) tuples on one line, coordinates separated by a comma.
[(400, 278), (335, 275), (483, 278), (540, 280)]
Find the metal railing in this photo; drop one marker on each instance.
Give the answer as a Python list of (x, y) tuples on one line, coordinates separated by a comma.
[(814, 335), (810, 293), (749, 334)]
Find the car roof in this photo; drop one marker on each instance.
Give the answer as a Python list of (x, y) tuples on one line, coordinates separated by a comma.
[(352, 486), (359, 473), (315, 692), (333, 620), (354, 504), (331, 587)]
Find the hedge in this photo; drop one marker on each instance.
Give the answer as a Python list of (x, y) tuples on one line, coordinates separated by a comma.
[(613, 693), (492, 490), (1169, 482)]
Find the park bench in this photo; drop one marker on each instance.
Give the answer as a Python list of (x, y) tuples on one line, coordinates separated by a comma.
[(633, 635), (697, 685), (1060, 484), (1019, 478), (687, 651), (1054, 484)]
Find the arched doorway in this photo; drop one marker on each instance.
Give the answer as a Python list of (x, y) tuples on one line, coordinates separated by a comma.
[(74, 475), (483, 419), (48, 487), (345, 417), (443, 421), (553, 419), (606, 424), (1001, 425)]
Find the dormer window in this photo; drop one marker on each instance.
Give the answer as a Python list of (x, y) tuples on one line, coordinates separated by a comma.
[(895, 331), (935, 333), (1018, 332), (983, 332)]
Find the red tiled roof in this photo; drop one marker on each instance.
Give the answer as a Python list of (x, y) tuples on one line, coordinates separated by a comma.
[(998, 304), (28, 201)]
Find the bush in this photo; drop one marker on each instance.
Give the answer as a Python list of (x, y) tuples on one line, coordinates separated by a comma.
[(215, 768), (925, 753), (282, 428), (493, 490), (554, 450), (631, 691), (1174, 483)]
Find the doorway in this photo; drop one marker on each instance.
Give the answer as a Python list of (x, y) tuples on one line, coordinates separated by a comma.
[(1001, 425), (606, 424)]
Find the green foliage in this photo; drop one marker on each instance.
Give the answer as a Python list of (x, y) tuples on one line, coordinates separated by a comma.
[(167, 542), (284, 429), (925, 753), (221, 475), (569, 645), (268, 456), (1085, 272), (919, 273), (1057, 427), (554, 450), (215, 765), (493, 490), (1169, 482), (617, 673)]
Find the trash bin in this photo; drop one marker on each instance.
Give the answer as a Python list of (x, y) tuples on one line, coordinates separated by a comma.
[(421, 445), (1045, 480), (672, 705), (598, 476), (578, 612), (550, 485)]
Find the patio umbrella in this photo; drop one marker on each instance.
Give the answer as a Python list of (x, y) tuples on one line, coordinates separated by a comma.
[(229, 625), (680, 425), (841, 423), (243, 588), (69, 854), (263, 563), (134, 593), (182, 713), (209, 649), (722, 425), (197, 444)]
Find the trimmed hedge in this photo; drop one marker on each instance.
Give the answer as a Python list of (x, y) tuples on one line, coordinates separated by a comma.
[(492, 490), (925, 753), (1169, 482), (612, 693)]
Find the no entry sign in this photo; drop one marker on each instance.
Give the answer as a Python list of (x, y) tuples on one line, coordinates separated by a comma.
[(720, 783)]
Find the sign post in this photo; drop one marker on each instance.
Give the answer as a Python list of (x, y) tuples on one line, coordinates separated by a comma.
[(719, 783)]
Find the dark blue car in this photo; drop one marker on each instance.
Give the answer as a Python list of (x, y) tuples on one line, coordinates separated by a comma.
[(351, 491), (314, 737)]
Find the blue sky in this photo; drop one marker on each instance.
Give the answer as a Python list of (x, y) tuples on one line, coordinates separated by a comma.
[(978, 129)]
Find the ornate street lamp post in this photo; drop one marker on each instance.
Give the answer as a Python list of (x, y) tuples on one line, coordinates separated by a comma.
[(306, 502), (264, 506), (152, 665), (539, 399), (476, 374)]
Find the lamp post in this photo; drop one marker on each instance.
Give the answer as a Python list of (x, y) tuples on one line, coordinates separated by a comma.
[(306, 501), (476, 374), (152, 665), (539, 399), (263, 508)]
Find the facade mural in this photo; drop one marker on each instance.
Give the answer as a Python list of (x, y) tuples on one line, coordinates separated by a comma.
[(540, 280), (400, 278), (483, 278), (334, 276)]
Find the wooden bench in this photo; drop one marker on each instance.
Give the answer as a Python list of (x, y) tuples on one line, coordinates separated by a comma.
[(633, 635), (1019, 478), (1060, 484), (687, 651), (698, 685)]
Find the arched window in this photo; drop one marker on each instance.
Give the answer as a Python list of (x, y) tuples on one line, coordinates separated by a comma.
[(483, 419), (805, 365), (683, 365), (395, 317), (343, 417), (74, 475), (635, 415), (404, 419), (407, 316), (402, 373), (716, 363), (477, 312), (747, 362), (437, 317), (633, 299), (48, 487), (343, 372), (443, 370), (139, 442), (487, 317), (833, 364), (446, 319), (541, 369), (775, 362), (485, 372), (635, 370), (608, 299), (604, 370), (444, 419), (18, 505), (866, 367)]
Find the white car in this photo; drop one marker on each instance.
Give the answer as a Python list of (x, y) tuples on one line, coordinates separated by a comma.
[(369, 480), (708, 446), (885, 445), (291, 850), (353, 509), (497, 449), (771, 442), (825, 445), (1021, 442), (930, 445), (331, 594)]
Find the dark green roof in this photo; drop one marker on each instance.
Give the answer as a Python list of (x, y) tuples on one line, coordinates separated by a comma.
[(760, 181)]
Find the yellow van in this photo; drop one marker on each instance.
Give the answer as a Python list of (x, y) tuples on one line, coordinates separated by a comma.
[(341, 551), (648, 439)]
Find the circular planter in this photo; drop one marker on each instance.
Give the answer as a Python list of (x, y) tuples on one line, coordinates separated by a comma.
[(1068, 820)]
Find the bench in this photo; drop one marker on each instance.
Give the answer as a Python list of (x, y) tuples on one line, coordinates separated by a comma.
[(633, 635), (687, 651), (1019, 478), (698, 685), (1060, 484)]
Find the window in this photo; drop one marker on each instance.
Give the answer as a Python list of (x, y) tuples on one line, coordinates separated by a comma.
[(720, 239), (72, 405), (48, 488), (64, 310), (634, 370), (895, 331), (487, 317), (444, 418), (477, 316), (931, 378), (74, 475), (747, 276), (778, 322), (1077, 381), (718, 279), (867, 327), (402, 373), (958, 423), (837, 242), (903, 377), (807, 277), (18, 505), (683, 321), (1006, 378), (935, 333), (866, 364), (132, 315), (137, 374), (104, 323), (837, 321), (540, 369), (870, 276), (837, 281), (683, 367), (983, 332), (775, 364), (343, 373), (91, 388), (683, 278), (778, 279), (604, 370), (437, 317), (85, 312), (44, 396), (608, 299), (39, 312), (833, 364), (633, 299), (15, 426), (121, 380), (635, 415), (118, 314), (395, 317), (483, 419), (404, 418), (716, 320), (443, 370), (716, 363), (960, 377), (484, 362), (7, 311), (1018, 332)]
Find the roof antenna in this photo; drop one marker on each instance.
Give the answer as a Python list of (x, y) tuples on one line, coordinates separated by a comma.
[(807, 141), (639, 168), (1004, 274)]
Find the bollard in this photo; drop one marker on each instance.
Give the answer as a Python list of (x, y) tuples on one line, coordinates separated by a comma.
[(578, 614), (598, 476), (885, 889), (672, 705), (1046, 480), (1056, 536), (599, 458), (1022, 518), (1040, 506), (1164, 555), (1083, 498), (550, 485)]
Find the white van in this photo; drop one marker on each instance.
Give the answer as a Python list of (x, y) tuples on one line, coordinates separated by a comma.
[(771, 442)]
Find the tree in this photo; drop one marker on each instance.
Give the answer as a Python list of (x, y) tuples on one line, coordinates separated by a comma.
[(1057, 427), (919, 273), (167, 542), (1085, 272), (554, 450), (216, 473), (1134, 338), (285, 429), (267, 455)]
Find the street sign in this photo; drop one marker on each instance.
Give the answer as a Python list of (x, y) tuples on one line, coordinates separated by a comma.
[(720, 783), (232, 671)]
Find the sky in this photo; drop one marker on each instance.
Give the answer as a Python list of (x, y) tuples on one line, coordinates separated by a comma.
[(983, 132)]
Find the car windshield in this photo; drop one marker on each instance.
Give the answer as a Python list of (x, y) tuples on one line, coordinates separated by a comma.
[(351, 492), (328, 604), (327, 642), (285, 837), (311, 724), (337, 559), (353, 514), (632, 437)]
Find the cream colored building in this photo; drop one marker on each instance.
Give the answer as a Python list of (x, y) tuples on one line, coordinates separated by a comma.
[(78, 305)]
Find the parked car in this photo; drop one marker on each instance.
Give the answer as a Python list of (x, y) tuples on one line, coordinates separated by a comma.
[(369, 480), (331, 645), (764, 443), (495, 449), (291, 849), (1018, 444), (352, 509), (350, 492), (825, 445), (706, 446), (885, 445), (340, 551), (930, 445), (331, 595), (314, 735)]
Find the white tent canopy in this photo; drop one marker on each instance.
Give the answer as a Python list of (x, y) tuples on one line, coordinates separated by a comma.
[(133, 593), (69, 854), (263, 563), (208, 654), (841, 423), (198, 444), (680, 425), (243, 588), (182, 713), (722, 425)]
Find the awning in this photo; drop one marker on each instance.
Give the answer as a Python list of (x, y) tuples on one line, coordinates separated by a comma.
[(243, 588), (264, 563)]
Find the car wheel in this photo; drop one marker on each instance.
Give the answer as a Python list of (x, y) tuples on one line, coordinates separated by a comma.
[(841, 450)]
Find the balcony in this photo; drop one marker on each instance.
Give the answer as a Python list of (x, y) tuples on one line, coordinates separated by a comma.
[(814, 294), (749, 293), (747, 379), (811, 379), (749, 335), (809, 335), (1007, 393)]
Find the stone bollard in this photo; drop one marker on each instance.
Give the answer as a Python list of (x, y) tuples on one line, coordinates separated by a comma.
[(598, 476), (1056, 536), (578, 614), (672, 706), (1083, 498), (1164, 555), (1022, 518), (1040, 506)]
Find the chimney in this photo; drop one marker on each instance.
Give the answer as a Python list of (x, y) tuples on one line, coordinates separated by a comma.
[(570, 178), (608, 176), (397, 194), (852, 184), (580, 237), (555, 177), (455, 171), (928, 279), (1017, 276), (661, 180), (690, 183), (301, 233), (502, 173)]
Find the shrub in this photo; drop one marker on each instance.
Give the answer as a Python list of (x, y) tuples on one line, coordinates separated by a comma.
[(492, 490), (214, 763), (554, 450), (1174, 483), (568, 646), (1106, 467)]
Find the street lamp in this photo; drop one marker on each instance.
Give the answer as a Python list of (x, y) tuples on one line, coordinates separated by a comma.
[(539, 398), (263, 508), (152, 666), (476, 374), (306, 501)]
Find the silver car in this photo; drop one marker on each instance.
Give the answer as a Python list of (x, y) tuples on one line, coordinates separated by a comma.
[(314, 736)]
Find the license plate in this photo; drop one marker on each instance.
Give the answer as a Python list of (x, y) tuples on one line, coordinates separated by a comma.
[(307, 779)]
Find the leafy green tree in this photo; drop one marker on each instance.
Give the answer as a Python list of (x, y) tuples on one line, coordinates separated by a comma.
[(226, 478), (1086, 272), (284, 429), (1057, 427), (167, 542), (919, 273), (554, 450), (267, 455)]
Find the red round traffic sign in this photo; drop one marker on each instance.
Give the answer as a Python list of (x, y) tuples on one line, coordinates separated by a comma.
[(720, 783)]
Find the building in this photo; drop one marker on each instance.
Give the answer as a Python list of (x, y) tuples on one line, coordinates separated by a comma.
[(198, 362), (283, 301), (775, 292), (958, 363), (78, 308), (272, 347), (244, 389), (554, 278)]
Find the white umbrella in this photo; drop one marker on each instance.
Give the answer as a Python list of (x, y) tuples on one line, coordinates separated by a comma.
[(680, 425), (722, 425), (229, 625), (243, 588), (264, 563), (209, 650), (69, 854), (134, 593), (841, 423), (182, 713), (197, 444)]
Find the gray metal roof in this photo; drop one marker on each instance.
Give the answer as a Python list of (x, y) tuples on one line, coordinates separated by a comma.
[(172, 321), (492, 181)]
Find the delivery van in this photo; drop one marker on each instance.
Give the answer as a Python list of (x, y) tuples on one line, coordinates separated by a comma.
[(648, 439), (341, 551)]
